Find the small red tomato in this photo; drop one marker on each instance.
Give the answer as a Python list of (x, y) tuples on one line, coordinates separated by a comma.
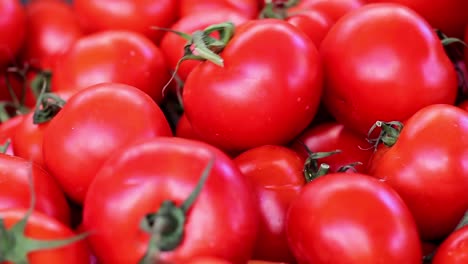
[(27, 140), (312, 22), (52, 29), (15, 188), (277, 174), (12, 30), (112, 56), (454, 249), (8, 130)]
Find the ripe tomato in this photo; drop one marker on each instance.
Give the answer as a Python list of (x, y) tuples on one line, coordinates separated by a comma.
[(12, 30), (334, 9), (427, 167), (86, 131), (14, 188), (184, 129), (112, 56), (454, 249), (222, 222), (351, 218), (261, 95), (379, 78), (249, 8), (312, 22), (207, 260), (52, 29), (137, 16), (447, 15), (172, 45), (40, 226), (277, 173), (331, 136), (27, 140), (8, 130)]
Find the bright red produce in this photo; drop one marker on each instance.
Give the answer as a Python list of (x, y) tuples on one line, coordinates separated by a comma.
[(351, 218), (52, 29), (15, 191), (267, 92), (12, 30), (277, 173), (314, 23), (27, 140), (427, 167), (93, 124), (132, 15), (334, 9), (384, 62), (8, 130), (248, 8), (184, 129), (447, 15), (454, 249), (328, 137), (135, 181), (112, 56)]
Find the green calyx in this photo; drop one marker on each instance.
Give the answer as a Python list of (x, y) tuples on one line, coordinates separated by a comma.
[(48, 104), (312, 169), (277, 9), (15, 245), (390, 131), (166, 226)]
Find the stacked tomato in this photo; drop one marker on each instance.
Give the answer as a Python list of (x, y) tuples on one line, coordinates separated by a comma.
[(233, 131)]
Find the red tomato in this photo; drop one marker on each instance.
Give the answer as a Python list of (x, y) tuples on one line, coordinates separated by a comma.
[(249, 8), (261, 95), (184, 129), (464, 105), (172, 45), (8, 130), (334, 9), (427, 167), (27, 140), (135, 181), (207, 260), (447, 15), (454, 249), (264, 262), (42, 227), (52, 29), (351, 218), (112, 56), (12, 30), (14, 188), (86, 131), (466, 49), (277, 173), (384, 62), (331, 136), (132, 15), (314, 23)]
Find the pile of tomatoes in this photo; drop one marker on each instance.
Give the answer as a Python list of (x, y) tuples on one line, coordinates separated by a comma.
[(233, 131)]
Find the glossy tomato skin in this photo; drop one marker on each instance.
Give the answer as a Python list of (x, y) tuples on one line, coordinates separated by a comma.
[(248, 8), (447, 15), (333, 220), (172, 45), (314, 23), (454, 249), (330, 136), (427, 168), (276, 172), (112, 56), (8, 130), (132, 15), (86, 131), (184, 129), (13, 30), (40, 226), (222, 223), (261, 95), (27, 140), (52, 29), (334, 9), (371, 76), (15, 184)]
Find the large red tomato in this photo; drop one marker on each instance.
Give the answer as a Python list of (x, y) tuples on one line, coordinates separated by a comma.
[(351, 218), (132, 15), (447, 15), (135, 181), (267, 92), (277, 173), (248, 8), (15, 188), (427, 167), (41, 227), (94, 123), (12, 30), (454, 249), (52, 29), (384, 62), (112, 56)]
